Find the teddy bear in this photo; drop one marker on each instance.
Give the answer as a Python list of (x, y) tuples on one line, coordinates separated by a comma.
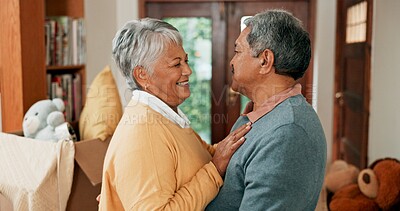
[(377, 188), (340, 174), (44, 120)]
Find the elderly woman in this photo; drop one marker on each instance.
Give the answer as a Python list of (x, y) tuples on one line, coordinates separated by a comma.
[(155, 161)]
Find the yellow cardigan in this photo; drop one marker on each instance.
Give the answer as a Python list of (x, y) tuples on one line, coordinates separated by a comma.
[(153, 164)]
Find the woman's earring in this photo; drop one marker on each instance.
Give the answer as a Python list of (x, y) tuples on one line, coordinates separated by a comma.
[(145, 87)]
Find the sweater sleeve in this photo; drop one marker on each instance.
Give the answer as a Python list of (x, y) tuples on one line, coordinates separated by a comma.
[(209, 147), (280, 172), (145, 176)]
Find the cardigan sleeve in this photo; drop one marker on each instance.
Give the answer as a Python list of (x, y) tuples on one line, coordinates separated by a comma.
[(146, 176), (209, 147)]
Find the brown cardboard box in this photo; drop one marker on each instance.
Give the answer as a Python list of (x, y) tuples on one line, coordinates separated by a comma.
[(86, 185), (89, 158)]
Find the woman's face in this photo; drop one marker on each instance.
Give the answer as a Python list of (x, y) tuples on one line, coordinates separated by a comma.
[(170, 79)]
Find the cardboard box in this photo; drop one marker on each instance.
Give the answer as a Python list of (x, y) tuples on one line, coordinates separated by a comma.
[(86, 185)]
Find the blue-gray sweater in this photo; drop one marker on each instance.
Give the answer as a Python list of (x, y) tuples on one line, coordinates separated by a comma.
[(280, 166)]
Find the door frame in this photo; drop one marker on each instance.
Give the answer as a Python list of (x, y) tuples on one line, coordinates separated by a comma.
[(337, 148)]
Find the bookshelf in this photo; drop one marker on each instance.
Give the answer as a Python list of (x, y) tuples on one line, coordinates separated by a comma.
[(23, 70)]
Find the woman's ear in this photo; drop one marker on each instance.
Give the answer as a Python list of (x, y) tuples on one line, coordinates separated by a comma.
[(266, 61), (140, 75)]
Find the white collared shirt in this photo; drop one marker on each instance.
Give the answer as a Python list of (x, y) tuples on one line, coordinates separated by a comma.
[(162, 108)]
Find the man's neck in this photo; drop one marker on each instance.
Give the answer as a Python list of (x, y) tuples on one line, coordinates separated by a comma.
[(263, 92)]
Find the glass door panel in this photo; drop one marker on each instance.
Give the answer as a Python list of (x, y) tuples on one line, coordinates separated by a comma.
[(196, 34)]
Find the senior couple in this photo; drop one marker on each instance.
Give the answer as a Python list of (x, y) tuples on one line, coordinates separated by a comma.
[(273, 160)]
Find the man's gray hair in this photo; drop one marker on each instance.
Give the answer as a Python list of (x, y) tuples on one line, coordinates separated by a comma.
[(282, 33), (139, 43)]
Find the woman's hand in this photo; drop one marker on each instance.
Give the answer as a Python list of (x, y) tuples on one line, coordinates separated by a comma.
[(228, 146)]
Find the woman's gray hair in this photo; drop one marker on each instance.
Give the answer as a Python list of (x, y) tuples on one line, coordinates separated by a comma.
[(139, 43), (282, 33)]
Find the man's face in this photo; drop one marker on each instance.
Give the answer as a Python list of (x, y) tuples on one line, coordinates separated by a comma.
[(244, 66)]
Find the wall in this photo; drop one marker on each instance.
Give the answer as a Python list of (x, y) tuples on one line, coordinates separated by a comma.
[(324, 57), (100, 17), (384, 122), (103, 19)]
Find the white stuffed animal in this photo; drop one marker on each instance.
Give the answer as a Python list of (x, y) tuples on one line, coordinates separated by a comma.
[(42, 119)]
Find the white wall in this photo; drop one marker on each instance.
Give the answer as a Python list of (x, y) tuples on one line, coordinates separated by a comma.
[(324, 57), (384, 122), (103, 19), (100, 17)]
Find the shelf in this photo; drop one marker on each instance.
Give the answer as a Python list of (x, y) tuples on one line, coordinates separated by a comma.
[(68, 67), (23, 56)]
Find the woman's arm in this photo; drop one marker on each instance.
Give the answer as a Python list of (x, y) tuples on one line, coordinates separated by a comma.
[(145, 176)]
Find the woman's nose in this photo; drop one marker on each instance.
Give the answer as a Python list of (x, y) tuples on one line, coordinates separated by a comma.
[(187, 70)]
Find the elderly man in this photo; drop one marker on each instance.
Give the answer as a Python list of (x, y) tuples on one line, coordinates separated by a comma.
[(281, 166)]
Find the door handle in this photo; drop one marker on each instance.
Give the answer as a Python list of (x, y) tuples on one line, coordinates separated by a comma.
[(339, 96)]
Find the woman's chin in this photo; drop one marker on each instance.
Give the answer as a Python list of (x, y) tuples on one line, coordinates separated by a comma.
[(184, 97)]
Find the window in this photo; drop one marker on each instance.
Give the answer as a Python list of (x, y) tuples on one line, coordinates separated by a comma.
[(356, 23), (196, 33)]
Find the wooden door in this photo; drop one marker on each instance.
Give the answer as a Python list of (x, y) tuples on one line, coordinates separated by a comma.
[(236, 10), (226, 21), (352, 81)]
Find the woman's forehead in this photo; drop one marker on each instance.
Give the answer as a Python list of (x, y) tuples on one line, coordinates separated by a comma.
[(174, 51)]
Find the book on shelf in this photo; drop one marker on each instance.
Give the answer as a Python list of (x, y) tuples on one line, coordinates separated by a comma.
[(65, 41), (77, 96), (66, 80), (47, 32), (67, 87)]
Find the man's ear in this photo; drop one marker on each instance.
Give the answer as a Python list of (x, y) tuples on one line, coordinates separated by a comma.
[(266, 61), (140, 75)]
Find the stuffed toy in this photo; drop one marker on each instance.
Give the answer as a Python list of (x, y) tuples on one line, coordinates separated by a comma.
[(340, 174), (45, 121), (377, 188)]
